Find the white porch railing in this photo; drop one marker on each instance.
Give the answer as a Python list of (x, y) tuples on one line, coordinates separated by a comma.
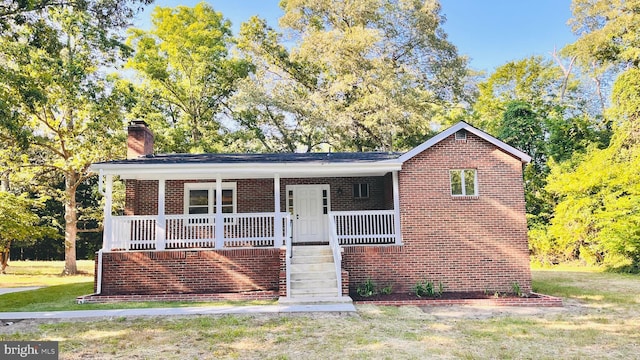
[(133, 233), (364, 227), (197, 231)]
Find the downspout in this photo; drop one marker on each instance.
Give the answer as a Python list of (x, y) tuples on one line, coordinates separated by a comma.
[(107, 218), (99, 269), (99, 274)]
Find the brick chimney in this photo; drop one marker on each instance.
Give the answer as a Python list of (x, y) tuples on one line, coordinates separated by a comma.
[(139, 139)]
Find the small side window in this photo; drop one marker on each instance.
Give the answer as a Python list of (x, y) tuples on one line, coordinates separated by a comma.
[(464, 182), (361, 191)]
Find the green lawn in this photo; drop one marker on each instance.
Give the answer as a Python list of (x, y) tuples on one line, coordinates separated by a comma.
[(601, 320), (44, 273)]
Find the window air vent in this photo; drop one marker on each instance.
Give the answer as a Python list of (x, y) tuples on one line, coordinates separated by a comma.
[(461, 135)]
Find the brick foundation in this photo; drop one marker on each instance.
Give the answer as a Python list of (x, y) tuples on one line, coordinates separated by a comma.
[(243, 296), (190, 272)]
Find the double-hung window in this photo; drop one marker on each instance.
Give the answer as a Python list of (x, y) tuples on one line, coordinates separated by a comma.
[(464, 182), (200, 198)]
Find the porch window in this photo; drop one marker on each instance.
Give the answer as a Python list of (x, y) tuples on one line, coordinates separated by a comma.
[(361, 191), (464, 182), (200, 198)]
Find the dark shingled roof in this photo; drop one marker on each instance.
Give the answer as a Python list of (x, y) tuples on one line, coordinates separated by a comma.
[(338, 157)]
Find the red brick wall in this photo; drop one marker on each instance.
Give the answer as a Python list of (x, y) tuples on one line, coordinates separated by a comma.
[(200, 271), (342, 192), (469, 244), (256, 195), (141, 197)]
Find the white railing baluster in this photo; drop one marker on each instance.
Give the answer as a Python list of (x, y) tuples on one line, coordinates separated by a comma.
[(198, 231), (245, 230), (368, 227)]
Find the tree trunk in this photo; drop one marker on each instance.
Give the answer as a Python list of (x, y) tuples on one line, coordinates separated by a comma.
[(4, 258), (70, 223)]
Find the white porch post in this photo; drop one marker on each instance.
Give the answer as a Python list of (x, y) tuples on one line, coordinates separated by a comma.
[(219, 228), (161, 223), (396, 208), (107, 233), (277, 226)]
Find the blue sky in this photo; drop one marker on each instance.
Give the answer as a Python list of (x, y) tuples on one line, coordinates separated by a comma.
[(489, 32)]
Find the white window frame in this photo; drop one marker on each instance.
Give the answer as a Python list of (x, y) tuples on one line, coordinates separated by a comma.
[(462, 179), (211, 187)]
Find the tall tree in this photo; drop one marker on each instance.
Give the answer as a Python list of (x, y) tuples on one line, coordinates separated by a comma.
[(360, 74), (61, 104), (188, 74)]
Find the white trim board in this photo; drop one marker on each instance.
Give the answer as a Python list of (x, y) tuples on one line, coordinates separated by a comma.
[(464, 126)]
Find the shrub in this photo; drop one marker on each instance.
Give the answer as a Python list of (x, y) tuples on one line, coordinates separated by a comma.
[(367, 289), (428, 288), (387, 290)]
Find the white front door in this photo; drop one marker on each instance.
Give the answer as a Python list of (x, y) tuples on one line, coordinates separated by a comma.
[(309, 209)]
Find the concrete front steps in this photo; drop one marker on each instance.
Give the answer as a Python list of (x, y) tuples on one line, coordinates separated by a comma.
[(313, 276)]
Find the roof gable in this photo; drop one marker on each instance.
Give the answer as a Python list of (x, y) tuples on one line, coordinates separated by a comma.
[(464, 126)]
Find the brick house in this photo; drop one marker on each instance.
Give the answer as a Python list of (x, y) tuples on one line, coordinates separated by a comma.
[(316, 225)]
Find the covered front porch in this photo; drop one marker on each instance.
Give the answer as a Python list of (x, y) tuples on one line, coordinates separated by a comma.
[(224, 206), (309, 219)]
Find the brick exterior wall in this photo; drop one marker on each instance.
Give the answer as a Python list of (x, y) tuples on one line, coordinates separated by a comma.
[(469, 244), (342, 192), (190, 272), (141, 197), (256, 195)]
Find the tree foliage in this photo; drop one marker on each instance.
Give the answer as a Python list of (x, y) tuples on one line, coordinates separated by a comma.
[(188, 75), (608, 32), (18, 223), (597, 218), (365, 74), (538, 107)]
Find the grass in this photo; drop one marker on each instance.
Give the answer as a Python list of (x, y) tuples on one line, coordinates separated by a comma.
[(601, 319), (594, 288), (43, 273)]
